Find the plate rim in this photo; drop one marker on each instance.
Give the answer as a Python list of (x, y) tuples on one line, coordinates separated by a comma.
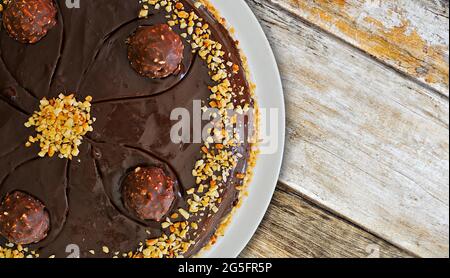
[(233, 13)]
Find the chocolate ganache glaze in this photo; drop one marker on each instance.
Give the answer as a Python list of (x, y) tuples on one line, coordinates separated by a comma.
[(85, 53)]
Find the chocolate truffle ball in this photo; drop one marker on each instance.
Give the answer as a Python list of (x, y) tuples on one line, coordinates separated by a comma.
[(28, 21), (23, 219), (148, 193), (155, 51)]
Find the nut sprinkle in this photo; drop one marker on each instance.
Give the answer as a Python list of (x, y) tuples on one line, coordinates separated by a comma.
[(218, 160), (223, 162), (11, 251), (60, 124)]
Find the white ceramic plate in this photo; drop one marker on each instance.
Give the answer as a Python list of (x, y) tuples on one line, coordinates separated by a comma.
[(269, 93)]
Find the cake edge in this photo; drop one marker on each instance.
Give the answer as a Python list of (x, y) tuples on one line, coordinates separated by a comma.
[(254, 150)]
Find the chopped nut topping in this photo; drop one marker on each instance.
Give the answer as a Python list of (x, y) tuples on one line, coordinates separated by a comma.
[(60, 124), (17, 252), (217, 159), (184, 213)]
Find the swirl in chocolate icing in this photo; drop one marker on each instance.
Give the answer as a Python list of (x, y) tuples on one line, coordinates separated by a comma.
[(86, 53)]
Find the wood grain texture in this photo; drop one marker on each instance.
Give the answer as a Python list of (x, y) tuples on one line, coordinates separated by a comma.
[(411, 36), (295, 228), (362, 140)]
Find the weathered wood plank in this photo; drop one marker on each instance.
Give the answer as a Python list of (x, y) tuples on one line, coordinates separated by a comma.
[(295, 228), (411, 36), (362, 140)]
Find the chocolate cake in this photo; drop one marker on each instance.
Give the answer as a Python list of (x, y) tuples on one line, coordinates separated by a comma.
[(87, 150)]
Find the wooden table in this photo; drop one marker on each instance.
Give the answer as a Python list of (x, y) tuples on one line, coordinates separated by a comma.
[(366, 169)]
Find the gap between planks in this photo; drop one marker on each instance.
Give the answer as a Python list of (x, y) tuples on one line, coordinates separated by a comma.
[(339, 39), (411, 37), (361, 140), (314, 232)]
